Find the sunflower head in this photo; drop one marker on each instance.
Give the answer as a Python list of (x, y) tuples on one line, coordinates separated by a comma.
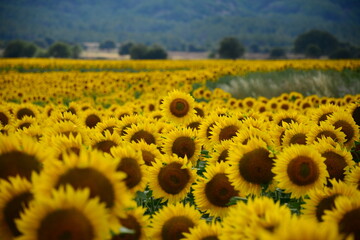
[(178, 106)]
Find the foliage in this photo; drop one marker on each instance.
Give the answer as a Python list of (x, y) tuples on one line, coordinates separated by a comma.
[(324, 40), (59, 50), (19, 48), (125, 48), (312, 51), (141, 51), (107, 45), (277, 53), (231, 48)]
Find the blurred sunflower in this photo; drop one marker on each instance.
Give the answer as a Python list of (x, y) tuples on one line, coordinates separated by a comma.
[(205, 130), (178, 106), (74, 108), (5, 116), (352, 176), (336, 158), (299, 169), (354, 110), (59, 116), (127, 122), (203, 231), (91, 170), (66, 129), (296, 133), (220, 153), (172, 221), (194, 123), (182, 143), (26, 109), (34, 131), (325, 130), (123, 111), (129, 160), (346, 215), (108, 124), (145, 131), (68, 214), (287, 117), (106, 142), (200, 109), (149, 152), (321, 200), (136, 221), (251, 166), (214, 192), (225, 129), (90, 118), (61, 145), (20, 155), (298, 228), (323, 112), (248, 132), (25, 122), (343, 120), (170, 178), (14, 199)]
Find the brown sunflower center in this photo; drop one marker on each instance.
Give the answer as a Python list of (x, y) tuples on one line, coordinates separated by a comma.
[(105, 145), (98, 184), (199, 112), (142, 134), (92, 120), (4, 120), (123, 130), (24, 125), (325, 134), (350, 223), (335, 165), (345, 128), (179, 107), (210, 238), (302, 171), (219, 190), (356, 115), (209, 129), (129, 222), (194, 125), (148, 157), (24, 112), (228, 132), (174, 228), (132, 169), (69, 224), (13, 208), (18, 163), (324, 117), (223, 156), (75, 150), (183, 146), (298, 138), (172, 179), (326, 203), (287, 120), (110, 129), (255, 166)]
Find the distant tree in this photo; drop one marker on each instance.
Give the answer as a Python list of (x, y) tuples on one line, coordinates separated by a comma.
[(125, 48), (107, 45), (156, 52), (231, 48), (277, 53), (40, 43), (341, 53), (19, 48), (324, 40), (76, 51), (194, 48), (254, 48), (313, 51), (60, 50), (138, 51)]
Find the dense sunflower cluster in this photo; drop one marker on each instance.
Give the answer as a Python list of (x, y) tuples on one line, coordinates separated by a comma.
[(147, 155)]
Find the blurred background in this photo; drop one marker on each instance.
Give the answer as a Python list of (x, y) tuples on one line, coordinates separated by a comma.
[(187, 29)]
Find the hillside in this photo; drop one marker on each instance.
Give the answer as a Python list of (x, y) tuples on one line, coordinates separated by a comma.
[(176, 24)]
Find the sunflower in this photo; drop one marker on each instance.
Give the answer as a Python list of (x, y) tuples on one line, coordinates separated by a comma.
[(220, 153), (126, 122), (135, 220), (194, 123), (65, 145), (288, 117), (298, 228), (225, 129), (323, 112), (105, 142), (92, 170), (67, 214), (173, 221), (354, 110), (248, 132), (178, 106), (343, 120), (25, 122), (203, 231), (90, 118), (20, 155), (149, 152), (296, 133), (251, 166), (170, 178), (35, 131), (321, 200), (109, 124), (300, 168), (325, 130), (336, 158), (346, 215), (246, 220), (182, 143), (5, 116), (214, 192), (27, 109), (205, 130), (145, 131), (200, 109), (14, 199), (130, 161), (352, 176), (74, 108)]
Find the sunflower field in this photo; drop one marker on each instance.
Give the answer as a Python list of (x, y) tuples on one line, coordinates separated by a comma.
[(102, 149)]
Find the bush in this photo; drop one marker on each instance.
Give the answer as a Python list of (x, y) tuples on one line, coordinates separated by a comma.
[(140, 51), (313, 51), (107, 45), (277, 53), (19, 48), (60, 50), (125, 48), (341, 53), (231, 48)]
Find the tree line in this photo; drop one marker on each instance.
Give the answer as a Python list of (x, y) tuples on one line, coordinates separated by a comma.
[(311, 44)]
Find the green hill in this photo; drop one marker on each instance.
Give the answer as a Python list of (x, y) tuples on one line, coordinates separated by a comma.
[(176, 24)]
